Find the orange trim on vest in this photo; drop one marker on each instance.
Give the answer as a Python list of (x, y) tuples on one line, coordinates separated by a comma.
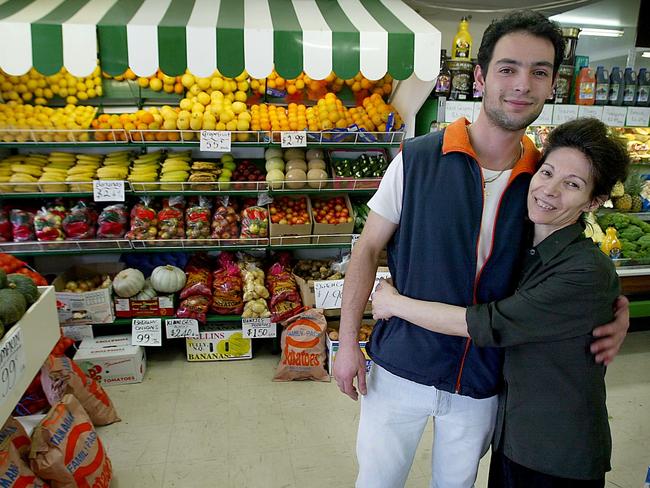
[(456, 139)]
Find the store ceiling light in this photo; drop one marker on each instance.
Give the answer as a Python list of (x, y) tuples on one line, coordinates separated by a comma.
[(646, 54), (588, 31)]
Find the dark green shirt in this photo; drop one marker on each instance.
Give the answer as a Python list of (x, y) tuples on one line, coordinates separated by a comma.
[(552, 415)]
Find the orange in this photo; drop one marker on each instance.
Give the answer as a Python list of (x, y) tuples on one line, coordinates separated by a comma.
[(178, 88), (173, 136), (146, 118)]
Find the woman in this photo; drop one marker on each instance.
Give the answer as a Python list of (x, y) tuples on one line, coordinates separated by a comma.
[(552, 428)]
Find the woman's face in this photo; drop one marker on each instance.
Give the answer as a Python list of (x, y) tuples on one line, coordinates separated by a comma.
[(561, 190)]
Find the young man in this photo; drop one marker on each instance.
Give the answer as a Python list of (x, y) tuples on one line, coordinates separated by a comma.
[(451, 209)]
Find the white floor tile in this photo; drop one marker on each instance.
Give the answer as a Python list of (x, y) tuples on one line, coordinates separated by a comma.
[(147, 476)]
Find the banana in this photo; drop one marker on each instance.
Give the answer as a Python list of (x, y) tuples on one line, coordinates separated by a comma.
[(124, 163), (80, 177), (60, 153), (169, 169), (79, 170), (175, 176), (26, 169), (22, 177)]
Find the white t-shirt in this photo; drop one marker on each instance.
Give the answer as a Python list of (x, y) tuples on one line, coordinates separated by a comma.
[(387, 202)]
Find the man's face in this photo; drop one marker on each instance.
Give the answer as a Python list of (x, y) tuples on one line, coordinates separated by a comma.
[(518, 81)]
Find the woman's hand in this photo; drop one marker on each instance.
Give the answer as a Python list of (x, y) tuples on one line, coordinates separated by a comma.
[(383, 300)]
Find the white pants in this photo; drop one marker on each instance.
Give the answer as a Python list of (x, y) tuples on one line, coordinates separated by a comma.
[(394, 414)]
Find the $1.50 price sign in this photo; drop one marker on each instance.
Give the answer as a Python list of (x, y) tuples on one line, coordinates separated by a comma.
[(177, 328), (215, 141), (258, 328), (108, 191), (328, 293), (12, 362), (146, 332), (293, 138)]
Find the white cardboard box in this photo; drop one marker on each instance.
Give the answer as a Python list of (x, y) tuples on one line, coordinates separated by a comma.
[(112, 360), (219, 344), (90, 307)]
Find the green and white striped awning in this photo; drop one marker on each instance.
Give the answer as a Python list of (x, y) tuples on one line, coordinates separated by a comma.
[(317, 36)]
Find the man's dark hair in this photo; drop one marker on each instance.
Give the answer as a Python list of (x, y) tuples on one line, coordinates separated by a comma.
[(607, 154), (526, 21)]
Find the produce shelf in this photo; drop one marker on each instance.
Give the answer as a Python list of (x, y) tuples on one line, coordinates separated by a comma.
[(63, 138), (210, 319), (342, 138), (200, 188), (197, 244), (66, 247), (193, 137)]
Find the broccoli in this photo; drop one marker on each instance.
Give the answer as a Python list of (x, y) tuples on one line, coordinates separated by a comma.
[(645, 227), (644, 241), (631, 233), (631, 255), (606, 220), (620, 221), (627, 246), (635, 220)]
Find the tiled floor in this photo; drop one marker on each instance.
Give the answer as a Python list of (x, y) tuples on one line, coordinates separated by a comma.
[(227, 425)]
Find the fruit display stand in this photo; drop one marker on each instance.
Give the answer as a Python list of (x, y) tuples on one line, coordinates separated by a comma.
[(32, 338)]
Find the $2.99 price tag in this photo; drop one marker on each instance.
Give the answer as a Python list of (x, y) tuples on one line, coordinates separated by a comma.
[(293, 138), (12, 362), (328, 293), (178, 328), (146, 332), (258, 328), (215, 141)]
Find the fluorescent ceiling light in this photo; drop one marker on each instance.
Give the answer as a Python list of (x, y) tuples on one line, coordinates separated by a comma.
[(582, 20), (587, 31), (646, 54)]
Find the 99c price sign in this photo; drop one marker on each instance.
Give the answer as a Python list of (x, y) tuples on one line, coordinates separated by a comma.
[(146, 332), (12, 362)]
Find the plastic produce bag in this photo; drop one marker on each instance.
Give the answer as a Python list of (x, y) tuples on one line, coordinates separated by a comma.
[(199, 278), (144, 224), (112, 222), (197, 220), (48, 225), (228, 297), (22, 224), (171, 224), (225, 221), (81, 222), (194, 307), (254, 223)]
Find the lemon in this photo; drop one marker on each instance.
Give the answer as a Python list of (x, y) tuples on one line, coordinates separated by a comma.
[(204, 98), (243, 125), (185, 104), (198, 108), (143, 82), (231, 126), (240, 96), (221, 126), (217, 83), (203, 83), (238, 107), (155, 84), (187, 80)]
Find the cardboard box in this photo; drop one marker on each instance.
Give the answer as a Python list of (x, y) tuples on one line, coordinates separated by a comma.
[(90, 307), (350, 182), (279, 231), (333, 347), (218, 343), (112, 360), (328, 229), (161, 306)]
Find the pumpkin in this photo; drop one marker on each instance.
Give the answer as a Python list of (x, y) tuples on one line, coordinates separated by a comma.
[(147, 292), (24, 285), (12, 306), (168, 279), (128, 282), (3, 279)]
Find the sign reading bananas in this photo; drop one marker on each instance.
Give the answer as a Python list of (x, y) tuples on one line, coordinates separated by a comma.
[(108, 191)]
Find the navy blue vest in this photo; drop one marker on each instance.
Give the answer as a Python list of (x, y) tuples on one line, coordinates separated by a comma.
[(432, 256)]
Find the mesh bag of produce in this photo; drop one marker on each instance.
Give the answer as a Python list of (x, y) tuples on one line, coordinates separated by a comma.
[(48, 225), (303, 348), (22, 225), (112, 222), (66, 451), (197, 220), (5, 226), (228, 295), (171, 224), (144, 224), (225, 221), (199, 278), (81, 222)]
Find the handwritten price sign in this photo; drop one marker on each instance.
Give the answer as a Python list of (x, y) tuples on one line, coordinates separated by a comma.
[(108, 191), (146, 332), (12, 361), (614, 116), (215, 141), (258, 328), (178, 328), (293, 138), (328, 293)]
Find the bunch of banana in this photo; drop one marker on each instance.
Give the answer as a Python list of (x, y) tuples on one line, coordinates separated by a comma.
[(145, 169), (27, 169), (56, 171), (85, 169), (5, 174), (175, 168), (115, 166)]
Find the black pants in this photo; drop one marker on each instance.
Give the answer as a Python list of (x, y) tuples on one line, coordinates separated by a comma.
[(505, 473)]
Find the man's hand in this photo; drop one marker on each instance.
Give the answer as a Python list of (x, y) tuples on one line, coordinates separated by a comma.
[(612, 334), (383, 300), (350, 363)]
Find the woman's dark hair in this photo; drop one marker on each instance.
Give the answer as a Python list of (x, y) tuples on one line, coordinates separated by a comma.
[(527, 21), (607, 154)]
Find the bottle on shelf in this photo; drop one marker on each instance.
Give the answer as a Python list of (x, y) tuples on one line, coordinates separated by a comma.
[(585, 87), (602, 86), (615, 87), (443, 81), (462, 45), (643, 88), (629, 87), (611, 245)]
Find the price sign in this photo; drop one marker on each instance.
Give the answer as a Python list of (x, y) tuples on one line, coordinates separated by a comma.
[(146, 332), (78, 332), (380, 274), (108, 191), (564, 113), (638, 117), (12, 361), (355, 238), (614, 116), (328, 293), (293, 138), (215, 141), (177, 328), (455, 109), (546, 117), (590, 111), (258, 328)]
